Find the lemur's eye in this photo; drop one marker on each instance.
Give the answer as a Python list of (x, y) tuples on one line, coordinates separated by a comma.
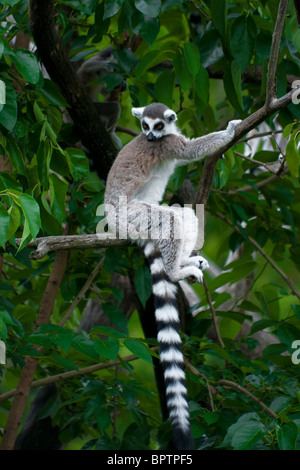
[(159, 126), (145, 126)]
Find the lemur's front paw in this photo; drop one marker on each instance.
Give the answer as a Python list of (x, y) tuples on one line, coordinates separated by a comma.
[(232, 125), (195, 275)]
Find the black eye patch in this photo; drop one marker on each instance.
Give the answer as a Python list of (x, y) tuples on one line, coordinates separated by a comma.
[(159, 126), (145, 125)]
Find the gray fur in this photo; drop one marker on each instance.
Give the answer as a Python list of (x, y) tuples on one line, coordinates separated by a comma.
[(155, 110)]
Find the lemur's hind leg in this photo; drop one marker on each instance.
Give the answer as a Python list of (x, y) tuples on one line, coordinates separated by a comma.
[(164, 227), (176, 248), (190, 233)]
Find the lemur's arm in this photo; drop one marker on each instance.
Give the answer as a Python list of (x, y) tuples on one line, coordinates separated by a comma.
[(197, 149)]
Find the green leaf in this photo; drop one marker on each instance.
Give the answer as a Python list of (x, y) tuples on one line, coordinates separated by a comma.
[(248, 435), (296, 309), (14, 221), (148, 7), (9, 112), (103, 418), (107, 331), (202, 84), (31, 211), (108, 348), (279, 404), (15, 155), (116, 316), (242, 38), (11, 3), (93, 183), (79, 163), (287, 435), (192, 57), (85, 346), (64, 362), (232, 85), (182, 72), (58, 192), (224, 172), (147, 61), (111, 8), (143, 284), (219, 16), (238, 273), (43, 157), (292, 155), (164, 88), (139, 349), (50, 91), (4, 224), (148, 28), (26, 64), (261, 325)]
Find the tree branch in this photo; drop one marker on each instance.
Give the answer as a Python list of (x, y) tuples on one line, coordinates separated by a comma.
[(271, 92), (213, 313), (81, 293), (44, 245), (229, 383)]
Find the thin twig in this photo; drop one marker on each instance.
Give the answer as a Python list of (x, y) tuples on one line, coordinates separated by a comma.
[(260, 134), (213, 312), (257, 162), (229, 383), (260, 184), (271, 92), (82, 292)]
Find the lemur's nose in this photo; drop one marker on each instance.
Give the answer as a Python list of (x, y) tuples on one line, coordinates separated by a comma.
[(151, 137)]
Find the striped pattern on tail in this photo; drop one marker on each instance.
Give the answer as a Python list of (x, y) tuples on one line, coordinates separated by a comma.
[(167, 318)]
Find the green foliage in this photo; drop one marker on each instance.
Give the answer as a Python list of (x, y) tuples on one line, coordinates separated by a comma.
[(47, 183)]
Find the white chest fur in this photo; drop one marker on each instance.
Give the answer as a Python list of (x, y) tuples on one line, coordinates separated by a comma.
[(153, 190)]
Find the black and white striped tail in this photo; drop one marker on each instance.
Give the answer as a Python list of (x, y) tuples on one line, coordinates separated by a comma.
[(167, 318)]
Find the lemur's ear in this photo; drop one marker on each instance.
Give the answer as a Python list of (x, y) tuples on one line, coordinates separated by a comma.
[(137, 112), (170, 115)]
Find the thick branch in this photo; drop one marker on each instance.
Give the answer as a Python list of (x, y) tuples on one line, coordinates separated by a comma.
[(44, 245), (81, 110)]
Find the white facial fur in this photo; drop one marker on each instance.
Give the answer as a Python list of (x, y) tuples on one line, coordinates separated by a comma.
[(156, 128)]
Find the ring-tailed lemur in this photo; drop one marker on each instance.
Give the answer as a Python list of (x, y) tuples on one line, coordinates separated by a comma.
[(168, 235)]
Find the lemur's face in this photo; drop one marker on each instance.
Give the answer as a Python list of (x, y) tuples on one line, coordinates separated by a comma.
[(155, 128)]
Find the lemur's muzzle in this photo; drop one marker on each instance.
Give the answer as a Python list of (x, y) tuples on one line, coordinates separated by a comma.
[(151, 137)]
